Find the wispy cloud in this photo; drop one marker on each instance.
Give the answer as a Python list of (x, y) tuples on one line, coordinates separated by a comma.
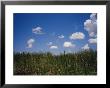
[(37, 30), (86, 47), (53, 33), (53, 47), (77, 35), (30, 43), (49, 44), (93, 41), (90, 25), (61, 36), (68, 44)]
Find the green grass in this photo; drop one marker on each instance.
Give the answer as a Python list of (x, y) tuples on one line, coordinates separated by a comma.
[(81, 63)]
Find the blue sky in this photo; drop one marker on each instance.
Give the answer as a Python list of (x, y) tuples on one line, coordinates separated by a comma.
[(55, 32)]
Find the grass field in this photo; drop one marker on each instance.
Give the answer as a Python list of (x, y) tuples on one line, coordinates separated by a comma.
[(80, 63)]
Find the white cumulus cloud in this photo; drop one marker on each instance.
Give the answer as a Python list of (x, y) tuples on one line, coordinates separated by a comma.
[(30, 43), (61, 36), (93, 41), (86, 47), (92, 34), (77, 35), (37, 30), (68, 44), (53, 47), (49, 44), (93, 16), (90, 25)]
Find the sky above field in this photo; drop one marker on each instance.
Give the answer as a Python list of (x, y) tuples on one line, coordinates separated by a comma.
[(55, 32)]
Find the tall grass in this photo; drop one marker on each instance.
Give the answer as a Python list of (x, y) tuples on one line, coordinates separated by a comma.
[(81, 63)]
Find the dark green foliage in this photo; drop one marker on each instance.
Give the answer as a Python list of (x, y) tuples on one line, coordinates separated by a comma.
[(81, 63)]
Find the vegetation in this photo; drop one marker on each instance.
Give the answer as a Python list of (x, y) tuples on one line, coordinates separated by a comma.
[(81, 63)]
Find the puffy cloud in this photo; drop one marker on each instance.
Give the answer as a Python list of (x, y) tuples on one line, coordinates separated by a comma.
[(93, 41), (50, 43), (77, 35), (61, 36), (68, 44), (92, 34), (30, 43), (86, 47), (37, 30), (53, 47), (90, 25), (93, 16)]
